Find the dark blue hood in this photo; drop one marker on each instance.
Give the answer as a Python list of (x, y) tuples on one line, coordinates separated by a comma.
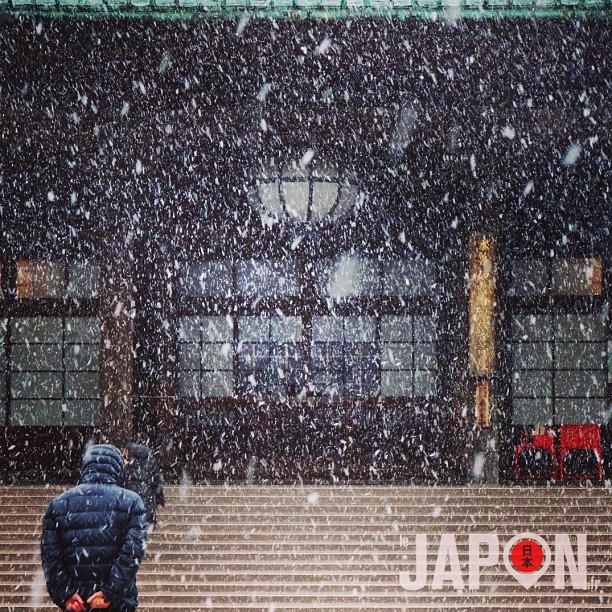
[(103, 463)]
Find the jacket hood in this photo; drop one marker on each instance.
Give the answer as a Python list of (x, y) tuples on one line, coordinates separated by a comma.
[(139, 451), (103, 463)]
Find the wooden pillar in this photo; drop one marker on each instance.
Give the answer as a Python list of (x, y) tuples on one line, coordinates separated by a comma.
[(116, 340), (482, 352)]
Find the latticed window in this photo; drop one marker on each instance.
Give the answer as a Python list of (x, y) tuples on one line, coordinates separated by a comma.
[(559, 368), (206, 354), (37, 279), (344, 355), (559, 352), (54, 364), (409, 366), (51, 362), (269, 355), (338, 356)]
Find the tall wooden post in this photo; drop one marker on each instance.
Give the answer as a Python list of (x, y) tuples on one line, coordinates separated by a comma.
[(482, 351), (116, 364)]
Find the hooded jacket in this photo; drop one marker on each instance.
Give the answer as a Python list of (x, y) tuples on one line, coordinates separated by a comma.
[(93, 535), (144, 477)]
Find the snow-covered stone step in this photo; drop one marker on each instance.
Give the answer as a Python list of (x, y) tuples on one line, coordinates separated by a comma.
[(341, 548)]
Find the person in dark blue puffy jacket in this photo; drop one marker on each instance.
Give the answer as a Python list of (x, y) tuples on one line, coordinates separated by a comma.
[(93, 538), (145, 478)]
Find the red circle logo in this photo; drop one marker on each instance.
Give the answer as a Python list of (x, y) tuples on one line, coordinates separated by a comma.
[(527, 556)]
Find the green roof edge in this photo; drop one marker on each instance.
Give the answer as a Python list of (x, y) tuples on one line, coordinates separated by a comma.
[(222, 10)]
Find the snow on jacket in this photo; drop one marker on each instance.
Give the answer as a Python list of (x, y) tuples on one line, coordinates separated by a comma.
[(144, 477), (93, 536)]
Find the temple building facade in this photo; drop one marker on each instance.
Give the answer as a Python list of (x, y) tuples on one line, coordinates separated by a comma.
[(369, 247)]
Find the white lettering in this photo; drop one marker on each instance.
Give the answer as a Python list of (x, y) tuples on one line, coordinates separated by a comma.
[(420, 571), (476, 561), (577, 568), (484, 551), (447, 550)]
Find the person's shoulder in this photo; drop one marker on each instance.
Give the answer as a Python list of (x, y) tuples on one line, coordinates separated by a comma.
[(68, 493), (64, 497), (132, 498)]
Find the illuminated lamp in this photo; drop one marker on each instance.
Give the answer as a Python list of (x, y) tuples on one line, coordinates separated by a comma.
[(482, 323), (482, 305), (304, 192)]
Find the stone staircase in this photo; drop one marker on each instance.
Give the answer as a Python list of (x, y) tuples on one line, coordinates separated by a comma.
[(273, 548)]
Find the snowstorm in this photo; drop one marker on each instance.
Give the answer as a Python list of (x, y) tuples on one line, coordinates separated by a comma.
[(341, 277)]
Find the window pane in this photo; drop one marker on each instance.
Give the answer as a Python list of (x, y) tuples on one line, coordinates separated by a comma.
[(190, 356), (528, 383), (36, 412), (84, 413), (40, 279), (271, 278), (36, 357), (360, 355), (395, 329), (217, 357), (577, 276), (189, 384), (36, 329), (324, 197), (529, 277), (409, 277), (425, 356), (580, 384), (581, 355), (83, 279), (268, 192), (296, 197), (532, 411), (189, 329), (82, 356), (359, 329), (254, 357), (396, 384), (580, 327), (254, 329), (532, 355), (217, 329), (283, 356), (361, 375), (581, 411), (328, 383), (286, 329), (327, 329), (532, 327), (328, 356), (208, 278), (82, 329), (81, 385), (348, 276), (396, 356), (285, 373), (349, 195), (36, 385), (424, 383), (217, 384)]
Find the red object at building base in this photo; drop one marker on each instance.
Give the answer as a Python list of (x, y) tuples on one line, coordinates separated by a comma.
[(580, 453), (535, 457)]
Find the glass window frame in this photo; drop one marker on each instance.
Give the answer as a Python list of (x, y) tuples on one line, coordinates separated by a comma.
[(66, 306), (557, 306), (308, 304)]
